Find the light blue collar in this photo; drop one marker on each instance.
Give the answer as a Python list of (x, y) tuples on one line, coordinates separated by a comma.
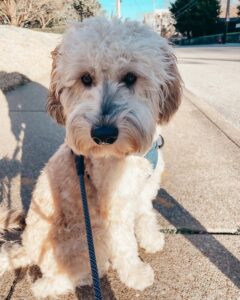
[(152, 154)]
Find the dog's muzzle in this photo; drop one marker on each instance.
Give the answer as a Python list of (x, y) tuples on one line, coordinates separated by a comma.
[(106, 134)]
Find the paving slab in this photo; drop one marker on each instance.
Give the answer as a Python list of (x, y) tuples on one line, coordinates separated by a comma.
[(191, 267), (202, 177)]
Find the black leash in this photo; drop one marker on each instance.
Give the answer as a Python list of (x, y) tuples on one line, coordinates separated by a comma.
[(79, 161)]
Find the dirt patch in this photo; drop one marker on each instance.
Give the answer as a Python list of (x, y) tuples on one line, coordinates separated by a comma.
[(10, 81)]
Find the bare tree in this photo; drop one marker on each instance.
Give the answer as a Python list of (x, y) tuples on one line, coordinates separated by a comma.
[(45, 13), (22, 12), (238, 9), (78, 10), (16, 12), (49, 11)]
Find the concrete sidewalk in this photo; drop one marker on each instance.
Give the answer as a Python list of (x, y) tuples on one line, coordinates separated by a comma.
[(198, 205)]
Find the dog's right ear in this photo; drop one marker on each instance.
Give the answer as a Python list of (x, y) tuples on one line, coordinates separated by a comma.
[(54, 106), (172, 90)]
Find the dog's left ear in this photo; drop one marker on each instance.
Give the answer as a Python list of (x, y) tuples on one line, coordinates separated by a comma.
[(171, 91), (54, 106)]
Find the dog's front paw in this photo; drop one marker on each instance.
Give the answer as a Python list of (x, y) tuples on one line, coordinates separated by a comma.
[(153, 243), (138, 276)]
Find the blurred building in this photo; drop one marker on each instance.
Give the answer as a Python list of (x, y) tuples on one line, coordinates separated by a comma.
[(233, 19), (161, 21)]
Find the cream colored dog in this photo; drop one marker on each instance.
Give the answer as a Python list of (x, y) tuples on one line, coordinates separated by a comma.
[(120, 77)]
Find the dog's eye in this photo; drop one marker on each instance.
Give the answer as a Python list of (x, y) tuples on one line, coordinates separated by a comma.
[(129, 79), (87, 79)]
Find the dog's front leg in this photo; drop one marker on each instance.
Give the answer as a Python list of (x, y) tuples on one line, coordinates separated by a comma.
[(132, 271), (148, 233)]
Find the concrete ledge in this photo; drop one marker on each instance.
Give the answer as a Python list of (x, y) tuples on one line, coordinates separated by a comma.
[(215, 117)]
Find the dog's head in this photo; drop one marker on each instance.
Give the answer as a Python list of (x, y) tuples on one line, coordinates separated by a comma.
[(112, 83)]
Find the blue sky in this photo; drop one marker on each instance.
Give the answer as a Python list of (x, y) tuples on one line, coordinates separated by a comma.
[(133, 9)]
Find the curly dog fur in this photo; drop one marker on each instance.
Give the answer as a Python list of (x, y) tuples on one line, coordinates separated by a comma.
[(104, 72)]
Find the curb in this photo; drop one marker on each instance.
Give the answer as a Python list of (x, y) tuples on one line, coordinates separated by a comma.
[(231, 132)]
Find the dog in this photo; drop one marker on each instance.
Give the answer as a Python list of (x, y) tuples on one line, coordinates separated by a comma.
[(113, 84)]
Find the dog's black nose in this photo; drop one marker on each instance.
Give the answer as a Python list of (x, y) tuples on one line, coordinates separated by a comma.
[(106, 134)]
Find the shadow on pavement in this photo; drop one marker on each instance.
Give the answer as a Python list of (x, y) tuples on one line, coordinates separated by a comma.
[(37, 139), (224, 260)]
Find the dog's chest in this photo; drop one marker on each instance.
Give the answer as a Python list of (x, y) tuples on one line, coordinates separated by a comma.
[(111, 177), (107, 181)]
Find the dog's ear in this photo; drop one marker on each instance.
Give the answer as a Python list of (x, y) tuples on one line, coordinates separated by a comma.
[(54, 106), (170, 91)]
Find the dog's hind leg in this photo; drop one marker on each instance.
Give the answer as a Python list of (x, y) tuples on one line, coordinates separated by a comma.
[(12, 256)]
